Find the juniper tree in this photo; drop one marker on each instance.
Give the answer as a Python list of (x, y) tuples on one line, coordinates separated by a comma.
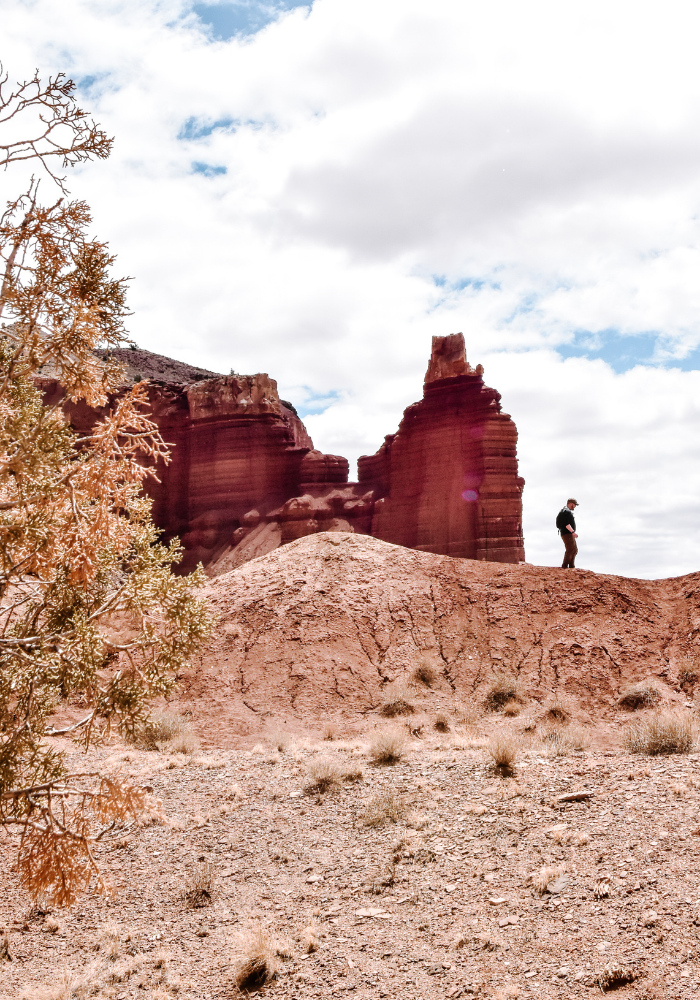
[(90, 610)]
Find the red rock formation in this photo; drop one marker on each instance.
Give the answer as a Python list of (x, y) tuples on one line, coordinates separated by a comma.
[(448, 482), (244, 476)]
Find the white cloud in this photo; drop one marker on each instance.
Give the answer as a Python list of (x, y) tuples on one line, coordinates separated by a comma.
[(390, 170)]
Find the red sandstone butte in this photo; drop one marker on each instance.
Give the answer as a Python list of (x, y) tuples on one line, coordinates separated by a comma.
[(447, 482), (244, 477)]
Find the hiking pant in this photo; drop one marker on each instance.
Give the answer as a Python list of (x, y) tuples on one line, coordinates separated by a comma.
[(571, 549)]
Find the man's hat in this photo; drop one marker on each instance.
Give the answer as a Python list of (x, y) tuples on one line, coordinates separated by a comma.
[(571, 500)]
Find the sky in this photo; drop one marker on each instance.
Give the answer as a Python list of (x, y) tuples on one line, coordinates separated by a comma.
[(315, 189)]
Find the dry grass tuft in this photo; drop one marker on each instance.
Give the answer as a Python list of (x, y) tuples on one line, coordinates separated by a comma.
[(504, 750), (556, 713), (397, 701), (688, 675), (468, 715), (541, 879), (199, 887), (388, 747), (503, 690), (386, 807), (511, 709), (167, 732), (309, 939), (613, 977), (442, 723), (258, 964), (280, 740), (425, 674), (324, 774), (581, 838), (662, 732), (561, 741), (330, 731), (643, 694)]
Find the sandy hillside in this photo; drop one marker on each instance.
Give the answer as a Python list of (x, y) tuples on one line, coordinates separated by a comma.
[(320, 626)]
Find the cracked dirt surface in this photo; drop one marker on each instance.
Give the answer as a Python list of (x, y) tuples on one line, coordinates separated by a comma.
[(319, 626)]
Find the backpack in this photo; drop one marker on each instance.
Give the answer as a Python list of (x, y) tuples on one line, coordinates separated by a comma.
[(562, 519)]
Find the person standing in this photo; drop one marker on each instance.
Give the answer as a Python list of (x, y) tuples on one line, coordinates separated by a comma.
[(566, 524)]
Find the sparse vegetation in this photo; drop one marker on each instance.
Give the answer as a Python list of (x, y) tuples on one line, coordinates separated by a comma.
[(425, 674), (199, 888), (280, 740), (330, 731), (310, 939), (556, 713), (504, 750), (441, 723), (502, 691), (613, 977), (545, 876), (643, 694), (324, 774), (388, 747), (258, 963), (467, 715), (165, 731), (386, 807), (662, 732), (397, 701), (511, 709), (562, 740)]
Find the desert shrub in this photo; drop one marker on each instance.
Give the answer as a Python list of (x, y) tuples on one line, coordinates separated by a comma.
[(425, 674), (442, 723), (324, 774), (501, 691), (330, 731), (556, 713), (79, 551), (511, 709), (386, 807), (280, 740), (258, 963), (503, 750), (643, 694), (396, 702), (310, 939), (199, 887), (615, 976), (662, 732), (165, 731), (468, 715), (688, 674), (542, 878), (562, 740), (388, 747)]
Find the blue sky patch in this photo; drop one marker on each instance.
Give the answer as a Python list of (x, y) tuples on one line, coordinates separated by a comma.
[(208, 169), (315, 403), (242, 17), (199, 128), (623, 352)]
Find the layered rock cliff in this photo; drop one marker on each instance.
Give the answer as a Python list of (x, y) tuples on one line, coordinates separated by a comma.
[(447, 481), (244, 476)]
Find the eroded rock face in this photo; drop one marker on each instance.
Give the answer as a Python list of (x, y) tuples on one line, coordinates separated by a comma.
[(447, 481), (245, 478)]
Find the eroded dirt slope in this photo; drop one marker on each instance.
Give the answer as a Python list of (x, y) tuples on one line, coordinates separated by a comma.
[(320, 626)]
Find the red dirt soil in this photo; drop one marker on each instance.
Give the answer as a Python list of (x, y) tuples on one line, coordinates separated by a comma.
[(318, 628)]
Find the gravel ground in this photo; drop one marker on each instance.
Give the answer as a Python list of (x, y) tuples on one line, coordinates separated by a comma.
[(438, 903)]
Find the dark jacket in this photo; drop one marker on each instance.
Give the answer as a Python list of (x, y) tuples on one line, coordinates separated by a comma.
[(564, 517)]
